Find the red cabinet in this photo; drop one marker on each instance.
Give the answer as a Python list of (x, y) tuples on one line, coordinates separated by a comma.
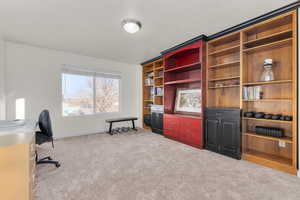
[(184, 69), (185, 129)]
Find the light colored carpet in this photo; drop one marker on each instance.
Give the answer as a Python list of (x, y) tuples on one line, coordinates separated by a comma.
[(146, 166)]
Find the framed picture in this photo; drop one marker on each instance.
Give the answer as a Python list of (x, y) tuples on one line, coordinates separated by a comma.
[(188, 101)]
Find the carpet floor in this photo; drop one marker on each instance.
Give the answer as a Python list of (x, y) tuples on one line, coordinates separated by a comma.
[(146, 166)]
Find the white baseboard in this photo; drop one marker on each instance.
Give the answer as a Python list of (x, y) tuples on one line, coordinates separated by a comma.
[(298, 174)]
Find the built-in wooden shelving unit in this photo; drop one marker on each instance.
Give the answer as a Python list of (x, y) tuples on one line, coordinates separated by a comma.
[(153, 78), (275, 39), (184, 70), (223, 72), (236, 61), (230, 64)]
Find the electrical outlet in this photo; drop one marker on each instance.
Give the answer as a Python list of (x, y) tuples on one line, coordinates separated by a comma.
[(281, 144)]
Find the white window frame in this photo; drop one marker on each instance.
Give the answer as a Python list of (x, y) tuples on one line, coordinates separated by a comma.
[(94, 75)]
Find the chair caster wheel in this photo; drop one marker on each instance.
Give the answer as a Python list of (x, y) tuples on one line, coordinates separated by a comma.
[(57, 165)]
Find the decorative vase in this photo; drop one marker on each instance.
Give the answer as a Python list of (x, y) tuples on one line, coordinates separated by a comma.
[(268, 74)]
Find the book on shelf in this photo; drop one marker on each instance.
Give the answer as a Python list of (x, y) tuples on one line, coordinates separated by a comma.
[(149, 81), (152, 92), (159, 91), (160, 73), (252, 93)]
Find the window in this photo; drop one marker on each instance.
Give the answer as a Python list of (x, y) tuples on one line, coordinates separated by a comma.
[(86, 93), (107, 95), (20, 108)]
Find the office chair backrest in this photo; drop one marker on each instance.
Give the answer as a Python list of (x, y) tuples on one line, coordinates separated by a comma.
[(45, 123)]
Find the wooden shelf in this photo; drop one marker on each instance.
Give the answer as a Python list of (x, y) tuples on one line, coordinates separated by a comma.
[(283, 139), (267, 120), (183, 81), (184, 67), (268, 82), (159, 68), (271, 45), (267, 100), (268, 38), (150, 100), (227, 86), (158, 77), (228, 64), (268, 157), (225, 51), (224, 78), (149, 70), (159, 86)]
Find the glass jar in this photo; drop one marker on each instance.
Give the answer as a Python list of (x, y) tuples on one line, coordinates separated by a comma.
[(268, 74)]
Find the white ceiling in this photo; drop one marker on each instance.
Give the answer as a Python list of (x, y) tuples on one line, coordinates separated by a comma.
[(92, 27)]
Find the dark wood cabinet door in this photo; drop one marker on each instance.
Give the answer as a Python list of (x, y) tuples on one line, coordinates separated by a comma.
[(222, 131), (211, 134), (230, 138)]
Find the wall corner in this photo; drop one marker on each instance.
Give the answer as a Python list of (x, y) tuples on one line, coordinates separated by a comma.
[(2, 80)]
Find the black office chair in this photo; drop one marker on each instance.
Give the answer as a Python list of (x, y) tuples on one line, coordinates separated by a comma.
[(45, 135)]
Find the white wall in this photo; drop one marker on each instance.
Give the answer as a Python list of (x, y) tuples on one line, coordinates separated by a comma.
[(35, 74), (2, 81)]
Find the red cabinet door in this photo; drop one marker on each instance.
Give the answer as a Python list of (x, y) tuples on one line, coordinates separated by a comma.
[(171, 125), (191, 131), (197, 135)]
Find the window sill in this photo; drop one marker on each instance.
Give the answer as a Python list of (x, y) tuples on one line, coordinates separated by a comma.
[(94, 114)]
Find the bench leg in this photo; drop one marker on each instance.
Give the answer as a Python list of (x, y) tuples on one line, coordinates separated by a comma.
[(110, 127), (133, 126)]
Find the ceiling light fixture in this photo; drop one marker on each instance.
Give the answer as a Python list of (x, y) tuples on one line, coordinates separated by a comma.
[(131, 26)]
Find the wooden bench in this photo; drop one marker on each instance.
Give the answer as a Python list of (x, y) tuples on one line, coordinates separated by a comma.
[(111, 121)]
